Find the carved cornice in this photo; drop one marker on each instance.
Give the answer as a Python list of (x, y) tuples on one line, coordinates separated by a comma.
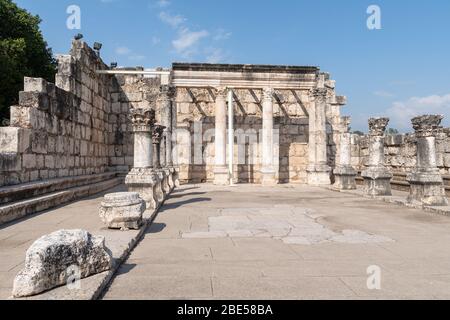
[(427, 125), (377, 126), (157, 133)]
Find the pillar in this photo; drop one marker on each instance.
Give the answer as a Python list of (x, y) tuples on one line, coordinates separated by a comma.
[(162, 187), (377, 178), (220, 168), (318, 169), (345, 174), (142, 178), (426, 184), (268, 173), (166, 93)]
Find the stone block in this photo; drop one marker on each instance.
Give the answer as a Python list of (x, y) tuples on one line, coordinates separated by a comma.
[(35, 85), (54, 259), (37, 100), (122, 210)]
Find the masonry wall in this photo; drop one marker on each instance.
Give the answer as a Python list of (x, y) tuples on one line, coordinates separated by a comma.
[(400, 152), (68, 128), (195, 134)]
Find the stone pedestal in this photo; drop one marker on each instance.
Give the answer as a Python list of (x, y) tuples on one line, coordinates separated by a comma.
[(144, 182), (122, 210), (221, 175), (426, 184), (318, 170), (377, 178), (345, 174), (268, 173)]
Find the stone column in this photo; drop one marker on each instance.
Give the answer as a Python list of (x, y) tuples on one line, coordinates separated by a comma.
[(220, 169), (165, 100), (162, 187), (142, 178), (268, 173), (426, 184), (318, 169), (345, 174), (377, 177)]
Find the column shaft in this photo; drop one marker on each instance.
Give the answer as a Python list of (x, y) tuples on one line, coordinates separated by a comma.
[(220, 169)]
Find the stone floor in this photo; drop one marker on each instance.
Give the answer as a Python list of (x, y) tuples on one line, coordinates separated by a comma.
[(287, 242), (251, 242)]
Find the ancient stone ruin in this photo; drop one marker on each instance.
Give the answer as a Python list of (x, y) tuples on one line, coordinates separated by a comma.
[(49, 258), (149, 131), (123, 210)]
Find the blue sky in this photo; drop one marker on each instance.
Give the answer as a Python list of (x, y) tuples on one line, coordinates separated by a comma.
[(399, 71)]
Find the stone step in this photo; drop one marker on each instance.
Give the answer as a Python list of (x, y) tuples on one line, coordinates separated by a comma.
[(403, 185), (37, 188), (19, 209)]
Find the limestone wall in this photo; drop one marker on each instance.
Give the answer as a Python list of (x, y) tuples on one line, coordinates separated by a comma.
[(195, 134), (400, 152), (65, 129)]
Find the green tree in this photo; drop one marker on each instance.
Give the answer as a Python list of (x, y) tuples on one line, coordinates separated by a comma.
[(392, 132), (23, 52)]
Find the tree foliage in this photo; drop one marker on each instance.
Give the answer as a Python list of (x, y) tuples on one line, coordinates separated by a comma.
[(23, 52)]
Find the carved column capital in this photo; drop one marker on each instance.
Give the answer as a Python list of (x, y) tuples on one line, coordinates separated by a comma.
[(142, 120), (377, 126), (221, 92), (319, 94), (427, 125), (267, 93), (166, 92), (345, 124), (157, 133)]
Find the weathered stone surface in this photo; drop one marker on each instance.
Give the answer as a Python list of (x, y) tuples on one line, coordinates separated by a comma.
[(50, 257), (122, 210), (376, 176), (426, 182)]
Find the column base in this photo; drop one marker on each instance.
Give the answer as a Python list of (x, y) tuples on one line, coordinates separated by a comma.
[(427, 188), (172, 183), (345, 178), (144, 182), (221, 176), (319, 175), (160, 194), (166, 181), (377, 181), (268, 177)]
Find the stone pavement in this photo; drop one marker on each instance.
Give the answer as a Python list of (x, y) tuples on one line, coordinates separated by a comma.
[(286, 242), (16, 237)]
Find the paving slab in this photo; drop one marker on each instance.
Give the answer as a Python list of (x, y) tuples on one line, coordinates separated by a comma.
[(233, 238)]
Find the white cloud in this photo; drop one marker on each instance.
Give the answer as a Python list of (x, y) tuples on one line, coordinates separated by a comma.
[(402, 112), (222, 34), (215, 55), (123, 51), (187, 41), (384, 94), (172, 20), (163, 3)]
